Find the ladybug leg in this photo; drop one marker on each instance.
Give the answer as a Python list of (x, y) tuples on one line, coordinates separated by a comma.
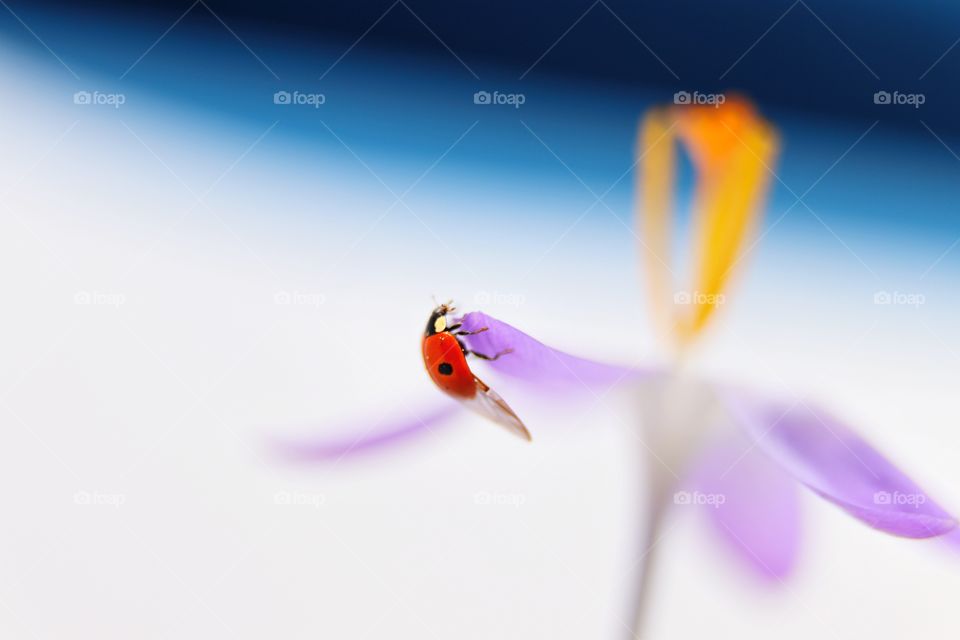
[(469, 333), (491, 358)]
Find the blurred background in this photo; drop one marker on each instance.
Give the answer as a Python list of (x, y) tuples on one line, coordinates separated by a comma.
[(223, 221)]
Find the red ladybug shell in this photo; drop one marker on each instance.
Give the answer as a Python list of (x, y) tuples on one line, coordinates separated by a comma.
[(447, 366)]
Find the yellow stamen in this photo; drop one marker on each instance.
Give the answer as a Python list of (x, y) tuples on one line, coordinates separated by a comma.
[(732, 150)]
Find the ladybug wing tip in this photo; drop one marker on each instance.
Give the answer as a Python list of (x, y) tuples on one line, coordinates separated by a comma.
[(488, 403)]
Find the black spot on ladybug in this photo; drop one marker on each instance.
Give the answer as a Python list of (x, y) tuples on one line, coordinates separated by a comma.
[(445, 368)]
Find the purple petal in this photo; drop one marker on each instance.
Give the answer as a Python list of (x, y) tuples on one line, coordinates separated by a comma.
[(827, 456), (951, 540), (753, 505), (366, 438), (536, 363), (530, 361)]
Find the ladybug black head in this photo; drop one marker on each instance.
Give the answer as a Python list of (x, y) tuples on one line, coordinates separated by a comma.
[(438, 319)]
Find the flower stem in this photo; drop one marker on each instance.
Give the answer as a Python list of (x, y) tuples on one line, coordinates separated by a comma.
[(675, 411), (647, 567)]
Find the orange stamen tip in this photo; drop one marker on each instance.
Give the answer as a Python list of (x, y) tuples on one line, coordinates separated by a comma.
[(712, 133)]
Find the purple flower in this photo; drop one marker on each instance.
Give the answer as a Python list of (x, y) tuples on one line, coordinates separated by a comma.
[(757, 469), (740, 455)]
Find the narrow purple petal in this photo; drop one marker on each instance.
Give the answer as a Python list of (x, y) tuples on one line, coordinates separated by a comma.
[(534, 362), (530, 360), (836, 463), (371, 437), (752, 505)]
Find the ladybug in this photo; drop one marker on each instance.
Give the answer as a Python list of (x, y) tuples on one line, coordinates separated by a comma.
[(445, 358)]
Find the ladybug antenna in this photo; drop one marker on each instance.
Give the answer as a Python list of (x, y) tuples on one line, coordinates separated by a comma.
[(447, 306)]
